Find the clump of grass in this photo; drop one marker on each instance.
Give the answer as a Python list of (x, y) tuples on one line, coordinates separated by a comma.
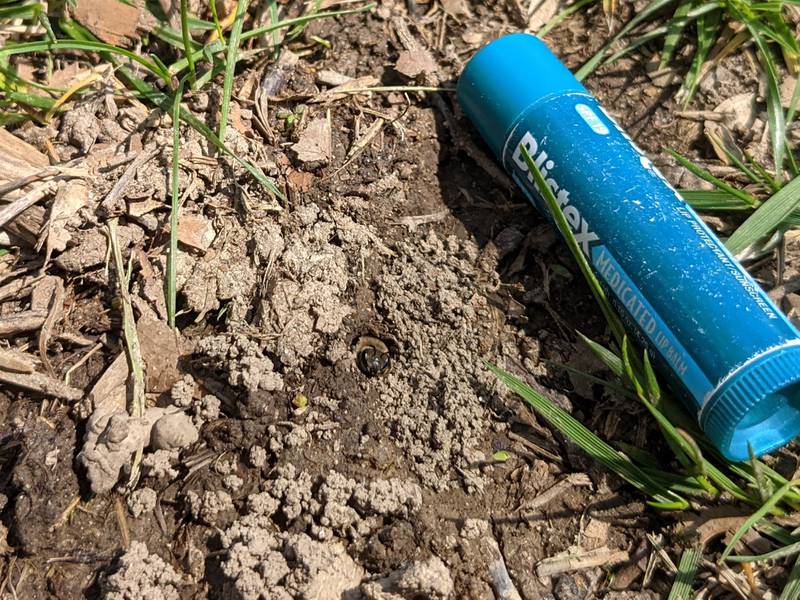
[(716, 29), (704, 477), (161, 84), (774, 204)]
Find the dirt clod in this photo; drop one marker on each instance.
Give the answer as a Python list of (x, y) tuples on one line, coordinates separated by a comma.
[(139, 575)]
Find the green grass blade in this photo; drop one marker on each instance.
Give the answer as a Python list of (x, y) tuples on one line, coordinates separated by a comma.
[(636, 42), (230, 66), (708, 26), (783, 552), (217, 24), (26, 12), (606, 356), (631, 373), (599, 293), (675, 28), (219, 45), (706, 176), (776, 532), (767, 217), (88, 46), (777, 123), (648, 12), (164, 101), (792, 109), (792, 589), (33, 100), (172, 294), (653, 389), (768, 180), (274, 18), (188, 48), (757, 516), (715, 201), (687, 571), (588, 441), (734, 154)]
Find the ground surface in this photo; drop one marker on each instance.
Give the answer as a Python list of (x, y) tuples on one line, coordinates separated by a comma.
[(384, 482)]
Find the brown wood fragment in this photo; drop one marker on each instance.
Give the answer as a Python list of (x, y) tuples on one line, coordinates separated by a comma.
[(27, 320), (16, 362), (41, 384), (17, 288), (23, 203), (18, 159)]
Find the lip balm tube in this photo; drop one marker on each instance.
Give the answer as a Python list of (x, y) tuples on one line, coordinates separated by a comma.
[(718, 340)]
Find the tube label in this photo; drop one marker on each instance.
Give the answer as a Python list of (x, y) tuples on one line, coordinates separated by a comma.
[(640, 317)]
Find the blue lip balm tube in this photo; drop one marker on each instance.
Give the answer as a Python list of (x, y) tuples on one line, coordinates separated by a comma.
[(725, 349)]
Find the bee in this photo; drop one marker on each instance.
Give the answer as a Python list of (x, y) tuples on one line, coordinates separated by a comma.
[(372, 356)]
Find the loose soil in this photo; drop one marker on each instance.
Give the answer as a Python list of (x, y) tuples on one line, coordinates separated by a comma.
[(328, 464)]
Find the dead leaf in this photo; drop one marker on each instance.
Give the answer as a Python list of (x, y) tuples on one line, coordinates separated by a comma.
[(300, 180), (160, 348), (413, 63), (113, 21), (142, 207), (196, 231), (314, 145), (739, 110)]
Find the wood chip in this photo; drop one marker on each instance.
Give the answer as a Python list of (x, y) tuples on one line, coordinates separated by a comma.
[(15, 361), (27, 320), (41, 384), (161, 351), (113, 203), (114, 22), (71, 197), (18, 288), (579, 561), (314, 145), (414, 221), (108, 393), (196, 231), (572, 480), (341, 91), (23, 203), (455, 8), (18, 159), (413, 63)]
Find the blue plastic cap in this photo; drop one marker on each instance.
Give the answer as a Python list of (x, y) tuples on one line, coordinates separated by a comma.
[(505, 78), (757, 407)]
